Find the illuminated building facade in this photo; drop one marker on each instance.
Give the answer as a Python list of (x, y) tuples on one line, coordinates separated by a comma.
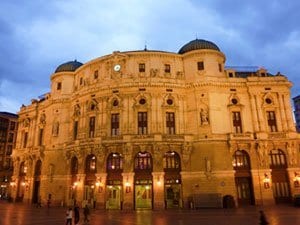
[(154, 129), (297, 111)]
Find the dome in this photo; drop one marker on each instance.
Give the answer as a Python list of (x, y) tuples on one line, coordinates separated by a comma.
[(198, 44), (70, 66)]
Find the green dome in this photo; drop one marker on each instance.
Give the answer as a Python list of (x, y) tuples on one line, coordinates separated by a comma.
[(70, 66), (198, 44)]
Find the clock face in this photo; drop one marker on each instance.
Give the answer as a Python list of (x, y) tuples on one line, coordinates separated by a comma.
[(117, 67)]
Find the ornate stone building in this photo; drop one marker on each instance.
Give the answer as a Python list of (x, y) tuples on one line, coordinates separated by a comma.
[(8, 133), (155, 129)]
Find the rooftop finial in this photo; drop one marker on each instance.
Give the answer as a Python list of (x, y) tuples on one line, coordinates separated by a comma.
[(145, 49)]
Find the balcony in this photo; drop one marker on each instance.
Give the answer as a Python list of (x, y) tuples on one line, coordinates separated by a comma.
[(240, 136)]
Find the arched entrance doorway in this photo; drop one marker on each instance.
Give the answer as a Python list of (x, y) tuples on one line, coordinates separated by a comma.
[(90, 180), (280, 180), (172, 169), (243, 178), (36, 182), (114, 169), (143, 180)]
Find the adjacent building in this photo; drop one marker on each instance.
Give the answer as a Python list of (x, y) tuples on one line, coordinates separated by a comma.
[(8, 134), (151, 129), (297, 111)]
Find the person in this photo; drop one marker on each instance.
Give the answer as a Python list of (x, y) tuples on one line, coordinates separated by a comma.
[(69, 216), (86, 213), (262, 218), (76, 214)]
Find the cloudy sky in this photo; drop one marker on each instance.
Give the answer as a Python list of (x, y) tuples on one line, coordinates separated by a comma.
[(37, 35)]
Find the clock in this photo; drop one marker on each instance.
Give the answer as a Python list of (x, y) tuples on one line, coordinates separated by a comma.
[(117, 67)]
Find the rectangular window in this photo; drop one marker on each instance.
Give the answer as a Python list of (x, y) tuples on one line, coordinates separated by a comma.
[(10, 137), (167, 68), (220, 67), (41, 136), (170, 122), (142, 123), (25, 139), (237, 122), (12, 125), (200, 65), (9, 149), (92, 127), (58, 87), (272, 121), (142, 67), (96, 74), (115, 124), (75, 130)]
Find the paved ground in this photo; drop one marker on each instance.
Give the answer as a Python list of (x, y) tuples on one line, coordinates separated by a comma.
[(22, 214)]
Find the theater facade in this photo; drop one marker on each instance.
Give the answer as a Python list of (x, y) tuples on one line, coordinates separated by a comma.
[(152, 129)]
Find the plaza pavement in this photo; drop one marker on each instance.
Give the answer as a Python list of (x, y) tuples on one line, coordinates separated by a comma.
[(24, 214)]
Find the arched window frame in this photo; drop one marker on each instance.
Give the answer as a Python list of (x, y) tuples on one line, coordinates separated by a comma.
[(241, 160), (114, 162), (143, 161)]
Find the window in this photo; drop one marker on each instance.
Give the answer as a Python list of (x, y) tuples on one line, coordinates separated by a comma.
[(75, 130), (96, 74), (91, 164), (220, 67), (200, 65), (12, 125), (114, 161), (142, 67), (230, 74), (171, 160), (74, 166), (92, 127), (58, 87), (167, 68), (240, 160), (9, 149), (272, 121), (10, 137), (237, 122), (115, 124), (170, 122), (277, 159), (25, 139), (142, 123), (143, 161), (81, 81), (41, 134), (38, 168)]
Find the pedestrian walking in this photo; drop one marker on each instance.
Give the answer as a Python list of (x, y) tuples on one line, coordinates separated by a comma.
[(76, 214), (69, 215), (262, 218), (86, 213)]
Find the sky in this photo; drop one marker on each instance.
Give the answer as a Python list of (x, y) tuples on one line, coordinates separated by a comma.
[(37, 36)]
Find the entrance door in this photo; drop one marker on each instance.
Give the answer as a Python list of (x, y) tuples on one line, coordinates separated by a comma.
[(89, 195), (143, 196), (172, 195), (36, 191), (114, 197), (280, 185), (244, 190)]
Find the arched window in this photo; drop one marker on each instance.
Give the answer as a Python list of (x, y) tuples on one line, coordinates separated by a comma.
[(114, 162), (90, 164), (277, 159), (74, 166), (240, 160), (171, 160), (23, 169), (38, 168), (143, 161)]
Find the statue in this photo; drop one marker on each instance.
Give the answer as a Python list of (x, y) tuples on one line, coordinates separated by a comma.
[(204, 117)]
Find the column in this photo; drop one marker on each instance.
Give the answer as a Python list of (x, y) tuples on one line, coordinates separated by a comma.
[(128, 191), (254, 114), (288, 113), (100, 187), (282, 113), (158, 190)]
